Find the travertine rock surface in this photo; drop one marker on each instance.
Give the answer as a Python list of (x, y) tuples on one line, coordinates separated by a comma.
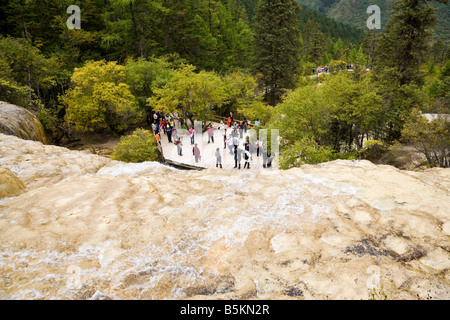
[(86, 227)]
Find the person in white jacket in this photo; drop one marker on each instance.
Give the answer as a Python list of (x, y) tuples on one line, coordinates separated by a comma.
[(218, 158)]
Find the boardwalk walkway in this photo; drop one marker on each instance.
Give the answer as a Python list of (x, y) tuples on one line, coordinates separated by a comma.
[(207, 152)]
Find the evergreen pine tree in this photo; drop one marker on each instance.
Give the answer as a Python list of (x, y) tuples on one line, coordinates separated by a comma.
[(398, 58), (277, 48)]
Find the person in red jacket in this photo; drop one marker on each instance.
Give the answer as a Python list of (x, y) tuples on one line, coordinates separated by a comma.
[(163, 125), (210, 133)]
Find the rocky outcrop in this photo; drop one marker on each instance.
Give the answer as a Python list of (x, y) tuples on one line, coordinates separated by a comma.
[(21, 123), (10, 185), (87, 225)]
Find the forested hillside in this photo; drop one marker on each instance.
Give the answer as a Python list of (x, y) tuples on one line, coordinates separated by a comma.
[(354, 12)]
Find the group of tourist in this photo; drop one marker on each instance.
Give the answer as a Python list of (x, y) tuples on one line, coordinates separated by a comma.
[(320, 70), (164, 124), (232, 142), (231, 139)]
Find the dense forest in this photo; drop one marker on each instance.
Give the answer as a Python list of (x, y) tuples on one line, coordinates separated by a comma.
[(354, 13), (256, 58)]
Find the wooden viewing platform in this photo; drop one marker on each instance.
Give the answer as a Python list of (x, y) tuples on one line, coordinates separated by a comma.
[(207, 151)]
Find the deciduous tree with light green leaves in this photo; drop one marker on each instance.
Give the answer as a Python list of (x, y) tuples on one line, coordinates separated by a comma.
[(144, 75), (137, 147), (189, 94), (241, 91), (100, 98), (337, 115)]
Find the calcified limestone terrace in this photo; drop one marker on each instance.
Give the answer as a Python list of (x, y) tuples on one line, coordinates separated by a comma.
[(87, 226)]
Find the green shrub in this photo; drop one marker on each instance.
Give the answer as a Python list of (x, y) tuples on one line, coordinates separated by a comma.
[(137, 147), (373, 150), (305, 151)]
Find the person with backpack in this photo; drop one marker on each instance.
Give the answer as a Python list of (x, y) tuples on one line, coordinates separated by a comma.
[(247, 157), (158, 138)]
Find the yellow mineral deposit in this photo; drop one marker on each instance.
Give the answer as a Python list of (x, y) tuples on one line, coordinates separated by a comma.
[(74, 225)]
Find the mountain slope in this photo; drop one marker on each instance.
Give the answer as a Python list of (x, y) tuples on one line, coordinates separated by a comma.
[(328, 25), (354, 12)]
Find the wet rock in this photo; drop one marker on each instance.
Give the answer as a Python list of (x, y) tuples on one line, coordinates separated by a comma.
[(20, 122)]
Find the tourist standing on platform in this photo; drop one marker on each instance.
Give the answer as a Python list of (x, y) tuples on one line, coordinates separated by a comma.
[(218, 158), (231, 117), (247, 157), (247, 143), (163, 125), (234, 133), (264, 156), (241, 129), (175, 133), (192, 132), (237, 157), (229, 122), (179, 145), (169, 132), (235, 143), (258, 146), (210, 133), (196, 152), (230, 144), (158, 138), (225, 139)]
